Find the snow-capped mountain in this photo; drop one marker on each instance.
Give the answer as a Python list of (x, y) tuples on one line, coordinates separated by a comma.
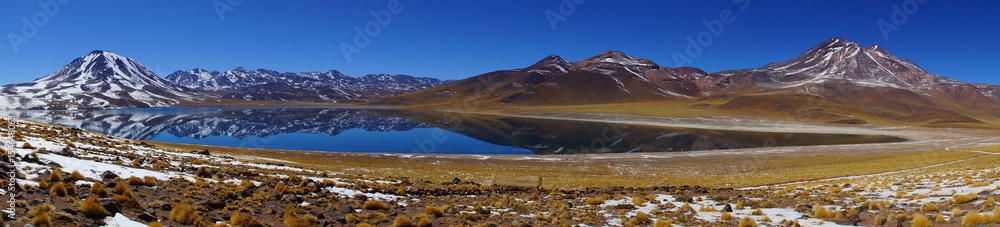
[(269, 85), (98, 80)]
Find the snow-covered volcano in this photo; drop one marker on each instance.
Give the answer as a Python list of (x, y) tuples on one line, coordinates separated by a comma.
[(99, 80)]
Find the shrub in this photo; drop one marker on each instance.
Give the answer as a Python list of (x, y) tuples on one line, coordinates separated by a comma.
[(747, 222), (638, 201), (27, 146), (739, 205), (57, 190), (76, 176), (133, 181), (964, 198), (642, 218), (879, 220), (155, 224), (120, 188), (920, 221), (98, 189), (402, 221), (757, 212), (149, 181), (92, 209), (973, 218), (434, 211), (42, 220), (929, 207), (726, 216), (375, 205), (821, 212), (594, 201), (707, 208), (161, 165), (238, 220), (955, 212), (184, 213), (424, 222), (291, 219), (56, 175)]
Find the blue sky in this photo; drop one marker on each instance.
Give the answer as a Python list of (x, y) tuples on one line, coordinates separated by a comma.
[(453, 39)]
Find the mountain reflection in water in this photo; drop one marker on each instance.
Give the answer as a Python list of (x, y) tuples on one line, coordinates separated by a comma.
[(410, 131)]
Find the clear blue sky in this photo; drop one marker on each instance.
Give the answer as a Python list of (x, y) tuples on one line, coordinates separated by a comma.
[(454, 39)]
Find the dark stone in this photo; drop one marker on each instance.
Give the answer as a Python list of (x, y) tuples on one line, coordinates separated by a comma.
[(110, 205), (728, 208), (108, 175), (147, 217), (166, 207), (204, 173), (202, 152), (985, 193), (456, 181), (852, 220)]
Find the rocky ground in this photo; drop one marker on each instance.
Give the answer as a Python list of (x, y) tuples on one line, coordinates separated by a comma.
[(69, 177)]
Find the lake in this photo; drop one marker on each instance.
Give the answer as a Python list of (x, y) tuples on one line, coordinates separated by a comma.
[(412, 131)]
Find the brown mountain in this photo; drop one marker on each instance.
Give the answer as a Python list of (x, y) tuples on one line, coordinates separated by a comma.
[(870, 79), (835, 81), (608, 77)]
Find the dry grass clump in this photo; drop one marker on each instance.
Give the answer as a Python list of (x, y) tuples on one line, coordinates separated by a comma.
[(238, 220), (292, 219), (821, 212), (726, 216), (375, 205), (964, 198), (402, 221), (920, 221), (929, 207), (593, 201), (92, 209), (747, 222), (57, 190), (98, 189), (56, 175), (77, 176), (434, 211), (184, 213), (41, 215)]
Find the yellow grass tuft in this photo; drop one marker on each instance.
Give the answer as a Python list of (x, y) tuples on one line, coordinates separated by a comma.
[(593, 201), (821, 212), (402, 221), (747, 222), (184, 213), (964, 198), (92, 209), (375, 205), (920, 221), (57, 190), (726, 216), (291, 219), (77, 176), (434, 211)]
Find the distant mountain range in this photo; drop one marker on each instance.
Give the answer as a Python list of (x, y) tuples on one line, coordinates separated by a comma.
[(269, 85), (104, 80), (836, 81)]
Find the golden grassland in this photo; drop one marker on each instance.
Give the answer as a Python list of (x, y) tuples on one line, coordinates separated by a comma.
[(714, 170)]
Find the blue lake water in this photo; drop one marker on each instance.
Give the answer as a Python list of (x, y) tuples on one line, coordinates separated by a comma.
[(412, 131)]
